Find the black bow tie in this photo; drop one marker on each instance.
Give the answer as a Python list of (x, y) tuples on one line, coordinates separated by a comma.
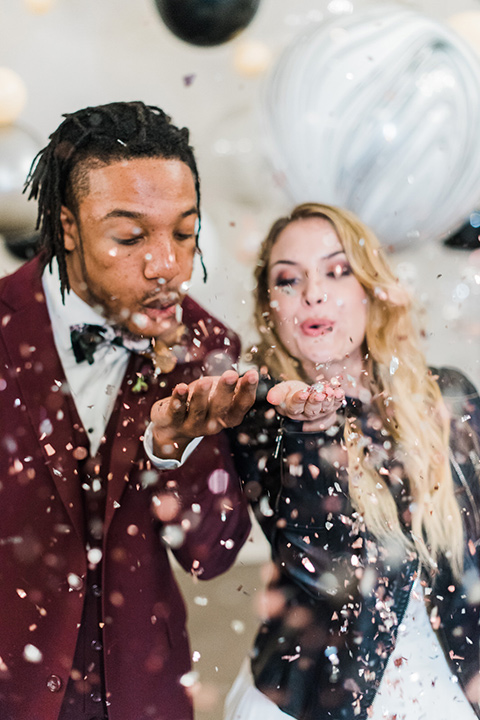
[(87, 338)]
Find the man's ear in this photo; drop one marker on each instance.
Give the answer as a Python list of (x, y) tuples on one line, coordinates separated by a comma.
[(70, 230)]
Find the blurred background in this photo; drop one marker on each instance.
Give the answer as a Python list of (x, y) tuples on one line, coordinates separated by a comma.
[(371, 105)]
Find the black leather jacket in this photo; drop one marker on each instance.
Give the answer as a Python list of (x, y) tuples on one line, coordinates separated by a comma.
[(343, 595)]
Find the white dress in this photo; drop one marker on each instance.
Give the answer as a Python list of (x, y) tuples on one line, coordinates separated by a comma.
[(417, 684)]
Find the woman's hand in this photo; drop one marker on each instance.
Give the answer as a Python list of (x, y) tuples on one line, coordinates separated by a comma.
[(316, 404)]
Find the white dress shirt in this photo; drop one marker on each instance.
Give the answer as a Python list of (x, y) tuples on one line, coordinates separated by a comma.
[(94, 388)]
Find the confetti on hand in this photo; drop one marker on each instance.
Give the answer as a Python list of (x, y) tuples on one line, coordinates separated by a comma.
[(316, 404)]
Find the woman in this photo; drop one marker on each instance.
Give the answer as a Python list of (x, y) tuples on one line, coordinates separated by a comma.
[(373, 606)]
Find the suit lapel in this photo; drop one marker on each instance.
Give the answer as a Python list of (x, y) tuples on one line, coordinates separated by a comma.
[(37, 368), (130, 418)]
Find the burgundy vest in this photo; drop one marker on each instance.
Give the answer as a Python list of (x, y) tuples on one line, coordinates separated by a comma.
[(85, 695)]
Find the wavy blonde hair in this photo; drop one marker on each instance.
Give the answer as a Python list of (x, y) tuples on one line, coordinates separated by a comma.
[(405, 394)]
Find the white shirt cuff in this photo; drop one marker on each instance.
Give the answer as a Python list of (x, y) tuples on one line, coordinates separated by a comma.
[(161, 463)]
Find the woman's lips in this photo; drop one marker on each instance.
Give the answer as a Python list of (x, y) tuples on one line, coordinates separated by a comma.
[(315, 328)]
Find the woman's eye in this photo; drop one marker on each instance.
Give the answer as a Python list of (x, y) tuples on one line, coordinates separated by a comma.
[(285, 282), (340, 270), (287, 285)]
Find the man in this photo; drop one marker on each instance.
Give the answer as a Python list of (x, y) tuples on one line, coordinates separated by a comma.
[(92, 339)]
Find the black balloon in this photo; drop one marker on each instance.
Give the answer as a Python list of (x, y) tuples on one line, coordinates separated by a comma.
[(23, 247), (468, 237), (206, 22)]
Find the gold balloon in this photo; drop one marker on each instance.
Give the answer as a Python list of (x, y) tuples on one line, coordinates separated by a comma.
[(251, 57), (13, 96), (39, 7)]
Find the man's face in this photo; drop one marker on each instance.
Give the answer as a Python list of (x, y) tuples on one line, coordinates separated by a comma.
[(131, 243)]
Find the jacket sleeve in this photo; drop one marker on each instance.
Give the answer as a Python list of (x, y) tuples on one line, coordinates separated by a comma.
[(460, 396), (203, 512), (463, 403)]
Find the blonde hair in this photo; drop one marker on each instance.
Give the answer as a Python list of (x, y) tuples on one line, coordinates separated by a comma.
[(406, 396)]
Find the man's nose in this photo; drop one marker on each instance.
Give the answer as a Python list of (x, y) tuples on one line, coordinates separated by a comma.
[(161, 260)]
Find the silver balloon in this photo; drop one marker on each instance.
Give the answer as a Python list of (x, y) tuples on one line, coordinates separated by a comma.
[(379, 111), (18, 148)]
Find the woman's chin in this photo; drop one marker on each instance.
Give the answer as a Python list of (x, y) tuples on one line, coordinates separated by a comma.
[(313, 359), (313, 364)]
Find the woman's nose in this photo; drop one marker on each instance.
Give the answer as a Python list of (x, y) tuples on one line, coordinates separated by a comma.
[(314, 292)]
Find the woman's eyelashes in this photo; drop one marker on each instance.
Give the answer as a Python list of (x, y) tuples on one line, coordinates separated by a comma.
[(339, 269), (287, 284)]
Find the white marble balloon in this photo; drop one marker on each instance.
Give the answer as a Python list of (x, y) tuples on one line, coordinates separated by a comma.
[(379, 112)]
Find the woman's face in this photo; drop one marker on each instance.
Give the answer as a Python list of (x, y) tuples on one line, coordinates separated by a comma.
[(318, 307)]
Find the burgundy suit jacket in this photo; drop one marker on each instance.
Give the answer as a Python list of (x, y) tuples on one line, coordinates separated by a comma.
[(42, 550)]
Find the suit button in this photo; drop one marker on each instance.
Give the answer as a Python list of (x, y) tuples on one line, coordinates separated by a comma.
[(54, 683)]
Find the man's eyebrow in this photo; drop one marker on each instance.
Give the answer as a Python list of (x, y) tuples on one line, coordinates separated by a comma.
[(132, 215), (324, 257), (187, 213), (118, 213)]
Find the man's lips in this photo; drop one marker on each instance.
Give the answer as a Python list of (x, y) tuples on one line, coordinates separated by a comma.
[(314, 327), (159, 310)]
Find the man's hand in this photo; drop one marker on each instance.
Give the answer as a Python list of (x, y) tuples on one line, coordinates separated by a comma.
[(204, 407), (316, 405)]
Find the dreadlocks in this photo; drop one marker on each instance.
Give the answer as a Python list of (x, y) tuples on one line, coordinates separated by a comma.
[(102, 134)]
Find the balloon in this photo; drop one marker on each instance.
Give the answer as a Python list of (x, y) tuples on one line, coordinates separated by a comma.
[(251, 58), (206, 22), (378, 111), (13, 96), (39, 7), (18, 216), (468, 237)]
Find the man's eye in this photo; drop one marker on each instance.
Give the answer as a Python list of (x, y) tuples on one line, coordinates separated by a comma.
[(128, 241)]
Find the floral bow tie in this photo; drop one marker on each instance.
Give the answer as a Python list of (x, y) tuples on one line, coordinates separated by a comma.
[(86, 339)]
